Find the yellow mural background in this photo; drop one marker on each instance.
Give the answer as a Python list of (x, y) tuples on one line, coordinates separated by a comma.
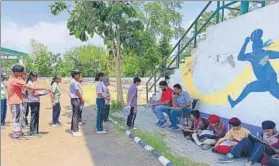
[(221, 97)]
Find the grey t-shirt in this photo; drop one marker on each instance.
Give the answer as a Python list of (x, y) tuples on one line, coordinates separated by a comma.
[(182, 99), (133, 90)]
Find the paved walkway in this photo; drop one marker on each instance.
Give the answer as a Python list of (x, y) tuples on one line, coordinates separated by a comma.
[(57, 147), (177, 143)]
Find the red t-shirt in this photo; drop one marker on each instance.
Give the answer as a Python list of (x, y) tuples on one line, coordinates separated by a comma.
[(167, 95), (14, 90)]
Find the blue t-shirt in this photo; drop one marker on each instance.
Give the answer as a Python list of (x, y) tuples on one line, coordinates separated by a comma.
[(182, 99)]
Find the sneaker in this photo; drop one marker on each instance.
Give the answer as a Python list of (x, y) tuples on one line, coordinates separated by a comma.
[(134, 128), (101, 132), (158, 123), (163, 124), (170, 126), (226, 159), (76, 134), (175, 128), (54, 125)]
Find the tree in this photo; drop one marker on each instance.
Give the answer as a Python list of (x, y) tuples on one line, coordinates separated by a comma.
[(162, 24), (41, 59), (162, 18), (116, 22), (90, 60)]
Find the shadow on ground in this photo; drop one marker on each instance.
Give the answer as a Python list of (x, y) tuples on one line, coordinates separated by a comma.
[(113, 148)]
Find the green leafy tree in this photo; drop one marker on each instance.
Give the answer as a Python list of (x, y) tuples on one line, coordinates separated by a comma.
[(162, 18), (162, 24), (116, 22), (90, 60), (41, 59)]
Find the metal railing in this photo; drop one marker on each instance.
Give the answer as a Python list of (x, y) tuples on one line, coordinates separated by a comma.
[(179, 45)]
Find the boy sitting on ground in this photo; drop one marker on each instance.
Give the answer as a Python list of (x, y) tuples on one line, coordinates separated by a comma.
[(198, 125), (215, 131), (233, 136), (258, 151)]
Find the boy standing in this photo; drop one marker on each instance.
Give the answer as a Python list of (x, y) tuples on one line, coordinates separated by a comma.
[(3, 99), (132, 100), (77, 101), (81, 106), (107, 102), (15, 86)]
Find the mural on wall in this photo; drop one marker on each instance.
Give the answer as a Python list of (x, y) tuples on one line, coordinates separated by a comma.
[(261, 67), (263, 71)]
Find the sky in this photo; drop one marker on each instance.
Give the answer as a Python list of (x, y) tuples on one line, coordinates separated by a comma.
[(23, 21)]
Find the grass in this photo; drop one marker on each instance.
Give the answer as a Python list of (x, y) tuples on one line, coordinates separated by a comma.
[(120, 120), (157, 141)]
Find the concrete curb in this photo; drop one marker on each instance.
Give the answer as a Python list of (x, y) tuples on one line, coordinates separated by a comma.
[(162, 159)]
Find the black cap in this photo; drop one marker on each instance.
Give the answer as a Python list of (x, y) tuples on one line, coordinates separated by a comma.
[(17, 68), (268, 124)]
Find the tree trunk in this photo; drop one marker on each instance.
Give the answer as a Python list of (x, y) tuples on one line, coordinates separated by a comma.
[(118, 74)]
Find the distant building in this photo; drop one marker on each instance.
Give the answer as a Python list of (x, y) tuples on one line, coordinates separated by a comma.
[(9, 54)]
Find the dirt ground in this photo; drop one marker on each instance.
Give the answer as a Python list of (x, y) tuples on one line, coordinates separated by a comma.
[(57, 147)]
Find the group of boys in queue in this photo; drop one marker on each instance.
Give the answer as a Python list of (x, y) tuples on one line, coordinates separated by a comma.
[(21, 93), (211, 133)]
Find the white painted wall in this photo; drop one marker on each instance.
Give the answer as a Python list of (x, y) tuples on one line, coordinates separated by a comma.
[(226, 39)]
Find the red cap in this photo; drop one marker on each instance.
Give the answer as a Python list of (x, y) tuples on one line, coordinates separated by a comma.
[(213, 119)]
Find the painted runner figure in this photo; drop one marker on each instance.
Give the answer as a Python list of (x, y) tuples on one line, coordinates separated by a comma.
[(264, 72)]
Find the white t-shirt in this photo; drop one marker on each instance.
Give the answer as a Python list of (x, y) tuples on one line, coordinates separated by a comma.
[(99, 88), (31, 97), (74, 86)]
